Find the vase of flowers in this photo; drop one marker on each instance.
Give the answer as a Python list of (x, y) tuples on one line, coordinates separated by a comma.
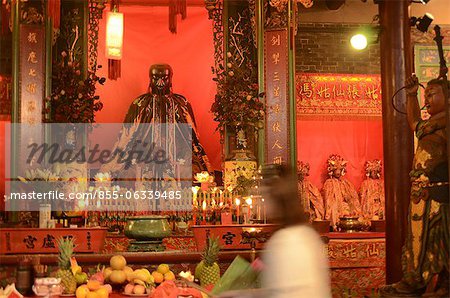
[(73, 98), (238, 107), (73, 101), (239, 110)]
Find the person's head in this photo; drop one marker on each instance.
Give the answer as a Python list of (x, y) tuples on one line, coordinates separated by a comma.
[(160, 78), (436, 93), (280, 195)]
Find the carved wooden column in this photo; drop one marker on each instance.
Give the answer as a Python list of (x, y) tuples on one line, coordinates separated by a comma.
[(280, 136), (396, 66)]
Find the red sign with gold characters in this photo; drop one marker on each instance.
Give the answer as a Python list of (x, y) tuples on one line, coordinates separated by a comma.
[(34, 240), (32, 82), (338, 96), (32, 48), (276, 62)]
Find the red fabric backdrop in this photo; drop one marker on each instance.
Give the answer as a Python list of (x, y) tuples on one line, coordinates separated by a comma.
[(356, 141), (190, 52)]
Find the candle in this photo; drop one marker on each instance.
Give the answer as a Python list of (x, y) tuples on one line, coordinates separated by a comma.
[(204, 209), (238, 203), (264, 210), (249, 203), (258, 210), (194, 195)]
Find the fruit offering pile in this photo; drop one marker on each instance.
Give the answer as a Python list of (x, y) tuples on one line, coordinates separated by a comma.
[(123, 278)]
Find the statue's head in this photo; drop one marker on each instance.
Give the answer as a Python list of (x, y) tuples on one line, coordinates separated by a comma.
[(436, 93), (336, 166), (161, 78), (302, 170), (373, 168)]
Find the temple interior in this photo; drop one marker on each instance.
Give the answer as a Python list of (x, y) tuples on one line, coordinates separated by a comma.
[(224, 148)]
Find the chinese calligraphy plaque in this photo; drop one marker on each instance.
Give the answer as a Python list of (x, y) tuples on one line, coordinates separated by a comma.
[(276, 70)]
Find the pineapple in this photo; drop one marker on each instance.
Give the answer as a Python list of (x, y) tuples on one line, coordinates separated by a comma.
[(208, 270), (65, 248)]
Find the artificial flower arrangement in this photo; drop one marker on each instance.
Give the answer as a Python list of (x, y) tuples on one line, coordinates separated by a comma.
[(73, 99), (238, 99)]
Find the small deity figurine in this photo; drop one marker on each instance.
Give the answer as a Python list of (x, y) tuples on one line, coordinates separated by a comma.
[(372, 191), (340, 195), (309, 195)]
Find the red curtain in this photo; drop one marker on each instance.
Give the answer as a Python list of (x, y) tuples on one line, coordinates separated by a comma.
[(356, 141), (190, 52)]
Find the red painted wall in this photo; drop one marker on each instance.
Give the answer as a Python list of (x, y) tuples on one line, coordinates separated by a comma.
[(190, 52), (355, 141)]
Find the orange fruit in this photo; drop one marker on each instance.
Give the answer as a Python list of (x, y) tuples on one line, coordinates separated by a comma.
[(169, 276), (92, 295), (102, 292), (118, 277), (93, 285), (158, 277), (139, 290), (117, 262), (163, 269), (82, 291)]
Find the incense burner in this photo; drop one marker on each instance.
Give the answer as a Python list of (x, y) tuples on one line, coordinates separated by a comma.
[(350, 224), (147, 232)]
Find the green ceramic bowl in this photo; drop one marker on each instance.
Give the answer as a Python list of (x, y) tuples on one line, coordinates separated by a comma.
[(147, 228)]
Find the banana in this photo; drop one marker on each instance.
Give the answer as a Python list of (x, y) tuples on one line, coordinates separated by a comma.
[(139, 282)]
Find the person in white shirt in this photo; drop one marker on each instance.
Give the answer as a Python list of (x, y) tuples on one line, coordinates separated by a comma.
[(295, 262), (294, 258)]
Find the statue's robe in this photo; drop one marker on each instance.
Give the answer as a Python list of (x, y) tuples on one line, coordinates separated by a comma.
[(372, 198), (311, 199), (426, 249), (340, 199), (158, 109)]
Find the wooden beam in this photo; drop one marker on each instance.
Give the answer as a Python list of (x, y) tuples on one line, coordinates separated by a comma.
[(158, 3)]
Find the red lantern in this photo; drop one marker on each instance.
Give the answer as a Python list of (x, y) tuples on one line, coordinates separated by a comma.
[(114, 35)]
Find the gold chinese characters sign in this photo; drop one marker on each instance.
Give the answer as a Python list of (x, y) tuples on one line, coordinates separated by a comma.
[(277, 98), (32, 61), (32, 82), (338, 96)]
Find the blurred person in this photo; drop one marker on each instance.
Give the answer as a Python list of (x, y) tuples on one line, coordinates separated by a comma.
[(295, 256)]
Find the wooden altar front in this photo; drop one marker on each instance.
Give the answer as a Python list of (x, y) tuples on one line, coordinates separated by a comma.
[(357, 260)]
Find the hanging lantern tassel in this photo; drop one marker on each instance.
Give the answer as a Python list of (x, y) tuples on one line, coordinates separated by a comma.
[(114, 69), (54, 12), (176, 7)]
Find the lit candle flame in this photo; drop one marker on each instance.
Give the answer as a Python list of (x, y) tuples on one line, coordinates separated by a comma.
[(195, 190)]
